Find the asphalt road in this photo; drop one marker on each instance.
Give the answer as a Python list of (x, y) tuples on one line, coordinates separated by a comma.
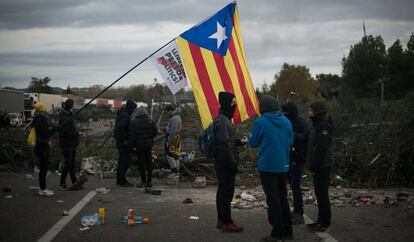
[(27, 217)]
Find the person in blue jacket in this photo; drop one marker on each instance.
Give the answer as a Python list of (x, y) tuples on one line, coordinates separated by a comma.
[(273, 135)]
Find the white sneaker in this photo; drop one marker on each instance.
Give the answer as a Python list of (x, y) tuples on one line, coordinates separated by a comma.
[(46, 192)]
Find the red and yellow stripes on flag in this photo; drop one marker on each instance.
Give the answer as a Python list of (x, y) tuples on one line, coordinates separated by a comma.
[(211, 73)]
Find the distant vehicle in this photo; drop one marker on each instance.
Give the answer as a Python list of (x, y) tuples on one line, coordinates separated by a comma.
[(52, 103)]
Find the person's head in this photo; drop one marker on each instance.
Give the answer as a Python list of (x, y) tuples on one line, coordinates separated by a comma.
[(169, 109), (227, 103), (141, 112), (130, 106), (68, 105), (39, 107), (290, 110), (317, 109), (268, 104)]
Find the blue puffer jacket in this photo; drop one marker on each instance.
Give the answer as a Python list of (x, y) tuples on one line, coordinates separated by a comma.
[(272, 133)]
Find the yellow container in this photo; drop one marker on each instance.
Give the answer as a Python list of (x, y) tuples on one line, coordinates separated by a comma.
[(101, 212)]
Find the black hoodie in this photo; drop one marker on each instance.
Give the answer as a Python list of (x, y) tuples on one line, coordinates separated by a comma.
[(226, 140), (122, 121), (300, 130)]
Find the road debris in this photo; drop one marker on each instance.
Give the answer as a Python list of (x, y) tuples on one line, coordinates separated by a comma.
[(187, 201), (194, 217), (7, 189), (200, 182), (103, 190)]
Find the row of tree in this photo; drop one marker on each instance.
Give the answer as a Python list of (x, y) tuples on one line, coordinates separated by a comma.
[(367, 65)]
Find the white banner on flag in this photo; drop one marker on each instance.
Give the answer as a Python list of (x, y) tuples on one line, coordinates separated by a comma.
[(168, 63)]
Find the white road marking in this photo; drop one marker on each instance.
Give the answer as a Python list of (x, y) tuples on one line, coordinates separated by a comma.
[(52, 232)]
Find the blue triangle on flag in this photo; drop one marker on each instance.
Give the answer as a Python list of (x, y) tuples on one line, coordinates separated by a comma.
[(214, 33)]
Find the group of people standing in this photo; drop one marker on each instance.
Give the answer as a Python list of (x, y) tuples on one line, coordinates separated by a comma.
[(68, 141), (285, 144), (134, 129), (283, 138)]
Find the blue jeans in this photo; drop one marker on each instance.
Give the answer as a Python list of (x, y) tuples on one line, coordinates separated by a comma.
[(295, 180)]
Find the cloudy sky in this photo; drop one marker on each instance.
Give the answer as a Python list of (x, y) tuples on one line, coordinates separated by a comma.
[(86, 42)]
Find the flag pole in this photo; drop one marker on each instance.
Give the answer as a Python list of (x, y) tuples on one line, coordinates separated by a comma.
[(113, 83)]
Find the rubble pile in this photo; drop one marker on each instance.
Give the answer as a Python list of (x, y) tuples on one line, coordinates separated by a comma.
[(95, 165), (339, 197)]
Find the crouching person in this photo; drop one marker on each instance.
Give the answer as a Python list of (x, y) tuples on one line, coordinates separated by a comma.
[(226, 159), (273, 135), (142, 131)]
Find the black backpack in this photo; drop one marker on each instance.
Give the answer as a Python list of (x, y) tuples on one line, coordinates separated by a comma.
[(206, 141)]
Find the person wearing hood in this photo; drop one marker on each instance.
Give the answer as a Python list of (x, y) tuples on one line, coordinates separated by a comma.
[(122, 122), (319, 158), (142, 131), (43, 133), (226, 158), (297, 159), (273, 135), (172, 138), (68, 140)]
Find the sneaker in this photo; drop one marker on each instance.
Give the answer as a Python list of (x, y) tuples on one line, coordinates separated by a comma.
[(46, 192), (232, 228), (315, 227), (64, 187), (297, 219)]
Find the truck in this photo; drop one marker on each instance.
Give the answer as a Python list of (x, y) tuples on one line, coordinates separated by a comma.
[(52, 103), (11, 101)]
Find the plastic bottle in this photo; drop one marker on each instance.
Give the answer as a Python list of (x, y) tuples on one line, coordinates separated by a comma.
[(131, 217)]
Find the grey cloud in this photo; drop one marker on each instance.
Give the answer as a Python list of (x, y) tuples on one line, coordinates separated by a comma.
[(61, 13)]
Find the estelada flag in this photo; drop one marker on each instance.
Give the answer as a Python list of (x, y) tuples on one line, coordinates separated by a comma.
[(215, 61)]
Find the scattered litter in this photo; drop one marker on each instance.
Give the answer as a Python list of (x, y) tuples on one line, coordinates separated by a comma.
[(64, 213), (8, 196), (305, 189), (338, 177), (84, 228), (101, 212), (194, 217), (304, 176), (187, 157), (138, 219), (200, 182), (29, 176), (402, 196), (7, 189), (247, 197), (156, 192), (145, 220), (60, 201), (103, 190), (188, 200), (90, 220), (34, 189)]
